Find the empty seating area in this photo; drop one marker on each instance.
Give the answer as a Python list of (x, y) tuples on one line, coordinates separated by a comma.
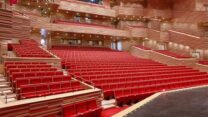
[(87, 108), (168, 53), (29, 48), (124, 77), (35, 79)]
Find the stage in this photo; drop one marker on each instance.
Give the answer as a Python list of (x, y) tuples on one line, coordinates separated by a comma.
[(184, 103)]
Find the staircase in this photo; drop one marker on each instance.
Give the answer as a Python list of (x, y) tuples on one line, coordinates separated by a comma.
[(108, 103), (6, 93)]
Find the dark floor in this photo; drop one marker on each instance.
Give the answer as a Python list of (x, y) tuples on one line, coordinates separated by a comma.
[(189, 103)]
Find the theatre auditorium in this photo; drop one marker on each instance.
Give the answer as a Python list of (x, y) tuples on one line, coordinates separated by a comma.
[(103, 58)]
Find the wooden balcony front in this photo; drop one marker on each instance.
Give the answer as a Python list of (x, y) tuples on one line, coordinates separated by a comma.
[(138, 31), (187, 39), (158, 35), (82, 7), (81, 28)]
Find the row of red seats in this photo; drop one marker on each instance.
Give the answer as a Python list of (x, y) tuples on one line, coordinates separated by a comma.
[(107, 76), (109, 88), (39, 80), (203, 62), (28, 42), (82, 109), (110, 66), (34, 79), (38, 90), (93, 55), (112, 70), (28, 66), (19, 75), (99, 82), (134, 94), (151, 68), (10, 71), (28, 48), (23, 63), (143, 72)]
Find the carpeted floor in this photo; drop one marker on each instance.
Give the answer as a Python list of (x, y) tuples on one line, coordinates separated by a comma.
[(185, 103), (111, 111)]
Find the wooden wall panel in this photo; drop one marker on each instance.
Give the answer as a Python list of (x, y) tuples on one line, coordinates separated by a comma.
[(5, 24), (128, 11), (189, 40), (20, 27), (163, 58), (138, 32)]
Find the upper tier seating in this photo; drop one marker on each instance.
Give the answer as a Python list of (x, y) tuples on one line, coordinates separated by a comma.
[(34, 79), (125, 77), (28, 42), (29, 48), (168, 53), (87, 108), (203, 62)]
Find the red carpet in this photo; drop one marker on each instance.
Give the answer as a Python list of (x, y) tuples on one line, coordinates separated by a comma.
[(112, 111)]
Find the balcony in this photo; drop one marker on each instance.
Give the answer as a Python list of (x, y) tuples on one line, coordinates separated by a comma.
[(76, 27), (87, 8)]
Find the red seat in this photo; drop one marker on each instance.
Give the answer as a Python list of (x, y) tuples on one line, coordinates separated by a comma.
[(35, 80), (55, 88), (81, 108), (20, 82), (30, 74), (76, 85), (66, 78), (59, 73), (66, 87), (17, 75), (57, 78), (42, 90), (47, 79), (69, 111), (94, 109), (27, 91)]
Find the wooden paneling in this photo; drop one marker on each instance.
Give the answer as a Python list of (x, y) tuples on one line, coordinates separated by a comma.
[(71, 5), (189, 40), (157, 13), (82, 29), (128, 11), (1, 69), (154, 34), (140, 53), (162, 58), (12, 27), (138, 31), (5, 24), (201, 67), (20, 27)]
